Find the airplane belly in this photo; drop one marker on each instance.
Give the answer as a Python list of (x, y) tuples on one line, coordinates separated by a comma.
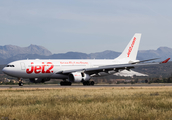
[(33, 75), (59, 76)]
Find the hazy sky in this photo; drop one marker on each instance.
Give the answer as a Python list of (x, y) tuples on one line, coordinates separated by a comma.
[(85, 25)]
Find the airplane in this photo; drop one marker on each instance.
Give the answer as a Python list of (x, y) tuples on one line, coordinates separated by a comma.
[(77, 70)]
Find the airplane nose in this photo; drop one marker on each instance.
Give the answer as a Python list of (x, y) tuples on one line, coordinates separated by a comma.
[(4, 70), (8, 71)]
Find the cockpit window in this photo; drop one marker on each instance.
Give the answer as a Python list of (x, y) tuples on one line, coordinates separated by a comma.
[(10, 66)]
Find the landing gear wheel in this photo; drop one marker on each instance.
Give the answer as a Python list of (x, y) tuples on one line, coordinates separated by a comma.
[(20, 83), (65, 83), (88, 83), (91, 82)]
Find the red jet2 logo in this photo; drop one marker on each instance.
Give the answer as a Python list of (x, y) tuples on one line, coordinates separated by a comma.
[(131, 47), (44, 68)]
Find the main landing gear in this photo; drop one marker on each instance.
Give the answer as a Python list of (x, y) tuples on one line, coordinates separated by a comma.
[(88, 83), (65, 83)]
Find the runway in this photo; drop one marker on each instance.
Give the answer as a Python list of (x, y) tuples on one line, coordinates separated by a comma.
[(56, 86)]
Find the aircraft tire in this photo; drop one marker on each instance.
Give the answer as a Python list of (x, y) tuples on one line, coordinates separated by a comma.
[(86, 83), (20, 83), (65, 83), (69, 83), (91, 82)]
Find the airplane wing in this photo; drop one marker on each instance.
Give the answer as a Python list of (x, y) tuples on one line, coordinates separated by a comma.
[(108, 68)]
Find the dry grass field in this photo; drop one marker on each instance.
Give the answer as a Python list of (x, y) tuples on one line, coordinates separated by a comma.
[(87, 104)]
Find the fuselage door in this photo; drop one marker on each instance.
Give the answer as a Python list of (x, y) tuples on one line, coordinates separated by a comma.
[(23, 67)]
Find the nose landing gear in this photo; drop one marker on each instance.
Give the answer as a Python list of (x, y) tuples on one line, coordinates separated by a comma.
[(20, 82)]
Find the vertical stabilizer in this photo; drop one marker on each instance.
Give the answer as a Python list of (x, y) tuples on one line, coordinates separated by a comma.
[(130, 52)]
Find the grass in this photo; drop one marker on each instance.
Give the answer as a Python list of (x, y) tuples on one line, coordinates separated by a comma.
[(129, 103)]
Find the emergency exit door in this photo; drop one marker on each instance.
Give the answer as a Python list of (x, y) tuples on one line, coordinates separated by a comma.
[(23, 67)]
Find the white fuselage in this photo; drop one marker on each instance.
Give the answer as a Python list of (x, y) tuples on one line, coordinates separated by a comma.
[(50, 68)]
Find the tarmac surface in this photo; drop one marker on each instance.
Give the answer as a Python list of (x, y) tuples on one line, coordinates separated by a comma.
[(56, 86)]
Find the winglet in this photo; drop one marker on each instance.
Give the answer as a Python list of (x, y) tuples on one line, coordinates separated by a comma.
[(165, 61)]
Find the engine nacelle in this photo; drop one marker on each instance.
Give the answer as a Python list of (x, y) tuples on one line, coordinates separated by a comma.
[(39, 80), (78, 77)]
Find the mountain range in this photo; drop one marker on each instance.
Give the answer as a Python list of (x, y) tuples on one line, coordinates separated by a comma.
[(9, 53)]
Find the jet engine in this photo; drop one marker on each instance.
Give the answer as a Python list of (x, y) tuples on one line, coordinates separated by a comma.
[(39, 80), (78, 77)]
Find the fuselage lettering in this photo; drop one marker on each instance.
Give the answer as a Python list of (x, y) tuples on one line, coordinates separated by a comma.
[(44, 68)]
